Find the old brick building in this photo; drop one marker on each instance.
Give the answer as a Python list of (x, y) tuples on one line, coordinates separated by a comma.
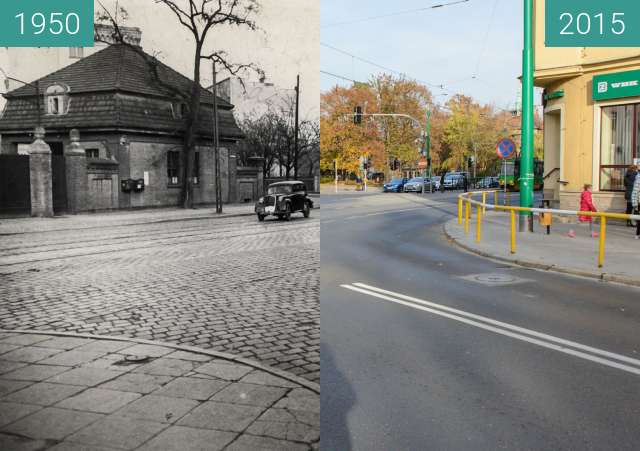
[(131, 127)]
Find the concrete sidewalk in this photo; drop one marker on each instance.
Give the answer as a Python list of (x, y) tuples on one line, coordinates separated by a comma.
[(125, 217), (556, 252), (66, 392)]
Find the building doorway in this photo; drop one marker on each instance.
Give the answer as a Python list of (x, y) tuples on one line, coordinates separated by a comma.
[(58, 178), (552, 155), (15, 185)]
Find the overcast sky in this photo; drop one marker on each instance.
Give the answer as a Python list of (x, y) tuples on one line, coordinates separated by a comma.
[(287, 45), (445, 46)]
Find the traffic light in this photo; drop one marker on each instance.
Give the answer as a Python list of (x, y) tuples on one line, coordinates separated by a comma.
[(357, 115)]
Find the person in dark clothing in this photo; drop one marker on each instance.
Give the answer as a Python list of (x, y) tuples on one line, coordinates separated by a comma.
[(465, 183), (442, 183), (629, 180)]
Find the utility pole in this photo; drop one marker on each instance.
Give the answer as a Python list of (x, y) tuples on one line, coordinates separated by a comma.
[(526, 161), (475, 160), (297, 129), (335, 165), (216, 143), (427, 148)]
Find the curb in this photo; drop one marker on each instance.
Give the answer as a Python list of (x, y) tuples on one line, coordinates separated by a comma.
[(603, 277), (221, 355)]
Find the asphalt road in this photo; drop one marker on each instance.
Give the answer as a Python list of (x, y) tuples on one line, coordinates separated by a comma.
[(401, 374)]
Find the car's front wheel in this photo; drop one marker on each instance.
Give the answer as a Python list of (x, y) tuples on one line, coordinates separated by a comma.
[(306, 211)]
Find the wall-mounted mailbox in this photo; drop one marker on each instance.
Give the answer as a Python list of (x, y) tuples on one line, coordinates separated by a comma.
[(126, 185), (138, 185)]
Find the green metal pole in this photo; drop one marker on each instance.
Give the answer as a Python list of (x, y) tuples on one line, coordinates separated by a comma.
[(427, 149), (526, 161)]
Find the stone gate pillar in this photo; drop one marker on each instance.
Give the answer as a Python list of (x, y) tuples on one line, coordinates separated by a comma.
[(76, 174), (41, 177)]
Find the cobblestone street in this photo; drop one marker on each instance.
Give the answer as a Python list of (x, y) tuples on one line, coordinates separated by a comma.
[(228, 284)]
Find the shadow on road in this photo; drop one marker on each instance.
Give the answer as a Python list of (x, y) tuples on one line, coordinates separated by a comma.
[(336, 398)]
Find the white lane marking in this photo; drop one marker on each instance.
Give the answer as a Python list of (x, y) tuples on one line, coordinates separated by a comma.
[(460, 317), (494, 322)]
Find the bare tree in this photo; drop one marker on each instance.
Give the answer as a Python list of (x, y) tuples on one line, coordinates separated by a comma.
[(272, 137), (200, 18)]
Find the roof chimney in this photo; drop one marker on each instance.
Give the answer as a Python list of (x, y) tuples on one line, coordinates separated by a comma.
[(107, 33)]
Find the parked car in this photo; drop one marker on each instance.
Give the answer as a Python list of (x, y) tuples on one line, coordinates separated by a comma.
[(453, 180), (396, 185), (283, 199), (416, 185)]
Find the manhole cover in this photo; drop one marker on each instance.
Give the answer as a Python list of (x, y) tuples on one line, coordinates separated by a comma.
[(494, 279)]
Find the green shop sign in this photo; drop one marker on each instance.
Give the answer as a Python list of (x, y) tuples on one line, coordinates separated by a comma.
[(616, 86), (592, 23)]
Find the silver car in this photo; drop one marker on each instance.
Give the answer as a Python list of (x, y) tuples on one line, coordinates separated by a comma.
[(415, 185)]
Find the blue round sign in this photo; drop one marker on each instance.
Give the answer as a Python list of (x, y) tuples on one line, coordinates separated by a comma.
[(506, 149)]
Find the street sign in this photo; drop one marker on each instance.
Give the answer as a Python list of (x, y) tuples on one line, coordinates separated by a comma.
[(506, 149)]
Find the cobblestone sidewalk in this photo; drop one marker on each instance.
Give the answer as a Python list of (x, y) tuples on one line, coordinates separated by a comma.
[(71, 393)]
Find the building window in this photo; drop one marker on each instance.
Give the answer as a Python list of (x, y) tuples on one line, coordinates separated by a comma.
[(92, 153), (618, 144), (76, 52), (179, 110), (57, 100), (173, 167), (196, 168)]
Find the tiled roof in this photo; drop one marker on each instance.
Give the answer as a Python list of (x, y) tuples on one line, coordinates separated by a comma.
[(113, 89), (118, 68), (117, 111)]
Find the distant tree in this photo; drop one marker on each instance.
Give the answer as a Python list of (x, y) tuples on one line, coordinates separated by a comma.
[(201, 18), (272, 137)]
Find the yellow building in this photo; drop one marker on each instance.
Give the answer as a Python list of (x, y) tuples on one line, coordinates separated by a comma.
[(591, 119)]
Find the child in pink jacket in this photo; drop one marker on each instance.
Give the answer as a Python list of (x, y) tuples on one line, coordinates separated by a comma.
[(586, 204)]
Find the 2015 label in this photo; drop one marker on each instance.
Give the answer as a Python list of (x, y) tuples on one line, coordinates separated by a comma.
[(592, 23)]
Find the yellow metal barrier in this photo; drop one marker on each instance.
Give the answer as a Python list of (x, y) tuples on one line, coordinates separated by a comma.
[(466, 217), (479, 224), (603, 237), (513, 232), (467, 200)]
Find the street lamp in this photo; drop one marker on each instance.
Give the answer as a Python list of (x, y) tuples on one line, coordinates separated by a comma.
[(36, 86)]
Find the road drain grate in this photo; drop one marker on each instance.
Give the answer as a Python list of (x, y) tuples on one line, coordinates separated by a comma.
[(495, 279)]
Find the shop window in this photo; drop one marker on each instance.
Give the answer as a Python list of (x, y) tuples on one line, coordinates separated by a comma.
[(57, 100), (173, 167), (196, 168), (92, 153), (618, 144)]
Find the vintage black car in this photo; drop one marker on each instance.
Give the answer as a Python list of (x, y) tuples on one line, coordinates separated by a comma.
[(283, 199)]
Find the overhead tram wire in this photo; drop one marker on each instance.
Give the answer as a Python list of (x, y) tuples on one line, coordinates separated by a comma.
[(399, 13), (379, 66), (340, 77)]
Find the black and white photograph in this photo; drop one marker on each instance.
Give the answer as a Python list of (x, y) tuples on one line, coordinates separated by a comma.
[(160, 231)]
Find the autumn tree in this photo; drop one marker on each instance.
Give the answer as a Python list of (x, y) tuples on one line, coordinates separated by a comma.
[(201, 19)]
